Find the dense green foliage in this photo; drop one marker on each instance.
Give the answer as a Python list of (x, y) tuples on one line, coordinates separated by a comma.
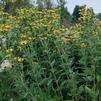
[(41, 60)]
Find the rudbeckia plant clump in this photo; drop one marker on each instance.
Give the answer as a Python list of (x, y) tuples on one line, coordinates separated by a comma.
[(41, 60)]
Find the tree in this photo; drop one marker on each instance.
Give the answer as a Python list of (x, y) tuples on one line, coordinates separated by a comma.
[(11, 5), (48, 4), (76, 13), (40, 4), (65, 15), (99, 16), (44, 4)]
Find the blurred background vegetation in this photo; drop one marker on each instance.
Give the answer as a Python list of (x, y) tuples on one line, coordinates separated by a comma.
[(66, 18)]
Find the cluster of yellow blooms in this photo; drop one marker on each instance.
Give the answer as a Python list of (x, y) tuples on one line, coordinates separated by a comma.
[(27, 26), (31, 25), (19, 59)]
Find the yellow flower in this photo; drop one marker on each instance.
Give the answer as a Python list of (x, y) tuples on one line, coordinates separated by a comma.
[(19, 59), (76, 35), (23, 36), (24, 43), (83, 45), (9, 50), (56, 32), (1, 36), (5, 28), (64, 39), (11, 17), (96, 34)]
